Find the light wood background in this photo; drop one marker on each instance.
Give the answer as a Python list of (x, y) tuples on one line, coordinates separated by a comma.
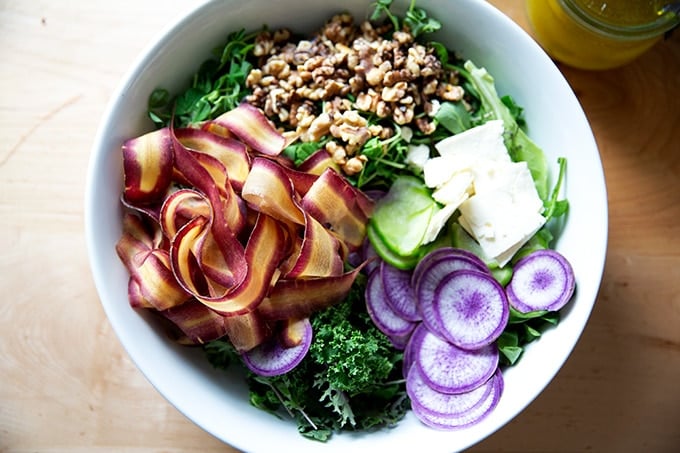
[(67, 385)]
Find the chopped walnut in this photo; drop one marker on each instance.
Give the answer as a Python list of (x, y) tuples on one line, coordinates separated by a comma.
[(394, 93), (327, 86), (337, 152), (354, 165), (450, 92), (425, 125)]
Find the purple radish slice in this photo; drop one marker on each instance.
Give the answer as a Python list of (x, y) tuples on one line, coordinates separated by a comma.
[(471, 308), (399, 342), (443, 404), (380, 312), (369, 254), (444, 252), (450, 369), (542, 280), (400, 295), (414, 339), (432, 274), (272, 358), (426, 408)]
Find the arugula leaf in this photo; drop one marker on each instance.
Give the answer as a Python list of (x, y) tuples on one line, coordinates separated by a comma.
[(522, 329), (508, 346), (219, 85), (299, 151), (382, 7), (515, 109), (385, 162), (553, 206), (415, 18), (454, 117), (157, 106), (419, 22)]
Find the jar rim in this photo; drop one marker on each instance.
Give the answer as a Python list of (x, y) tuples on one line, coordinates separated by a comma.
[(663, 23)]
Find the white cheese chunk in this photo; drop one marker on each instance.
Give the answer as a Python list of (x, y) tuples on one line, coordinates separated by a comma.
[(481, 142), (438, 170), (497, 198), (456, 190), (500, 222), (417, 156), (437, 222), (513, 177)]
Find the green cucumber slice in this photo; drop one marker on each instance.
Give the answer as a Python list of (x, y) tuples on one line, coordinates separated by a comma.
[(400, 262), (402, 216)]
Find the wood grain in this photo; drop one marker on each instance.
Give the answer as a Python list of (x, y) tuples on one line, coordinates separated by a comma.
[(67, 385)]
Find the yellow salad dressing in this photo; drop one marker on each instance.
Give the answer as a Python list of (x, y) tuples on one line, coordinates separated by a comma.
[(599, 34)]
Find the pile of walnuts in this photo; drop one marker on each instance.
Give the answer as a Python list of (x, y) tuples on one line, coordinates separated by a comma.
[(328, 85)]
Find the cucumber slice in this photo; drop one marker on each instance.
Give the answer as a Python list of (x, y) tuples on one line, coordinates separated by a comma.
[(401, 218), (400, 262)]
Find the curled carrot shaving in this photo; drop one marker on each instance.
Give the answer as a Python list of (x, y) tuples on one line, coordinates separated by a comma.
[(225, 238)]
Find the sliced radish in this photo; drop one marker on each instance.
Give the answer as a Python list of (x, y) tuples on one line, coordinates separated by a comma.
[(471, 308), (542, 280), (400, 341), (380, 312), (272, 358), (369, 254), (443, 404), (450, 369), (414, 340), (445, 252), (400, 295), (452, 411), (432, 272)]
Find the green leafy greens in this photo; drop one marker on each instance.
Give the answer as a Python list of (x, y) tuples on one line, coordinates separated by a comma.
[(350, 379), (219, 85), (415, 18), (522, 329)]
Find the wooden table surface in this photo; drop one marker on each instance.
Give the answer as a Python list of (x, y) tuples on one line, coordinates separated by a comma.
[(66, 384)]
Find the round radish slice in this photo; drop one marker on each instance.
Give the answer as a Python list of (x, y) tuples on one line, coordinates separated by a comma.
[(445, 252), (414, 339), (398, 291), (450, 369), (443, 404), (542, 280), (380, 312), (272, 358), (369, 254), (400, 341), (431, 275), (443, 411), (472, 309)]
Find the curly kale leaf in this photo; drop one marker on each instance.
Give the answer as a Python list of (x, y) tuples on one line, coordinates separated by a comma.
[(350, 379)]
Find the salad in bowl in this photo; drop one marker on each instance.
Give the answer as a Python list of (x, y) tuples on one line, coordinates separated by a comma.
[(346, 226)]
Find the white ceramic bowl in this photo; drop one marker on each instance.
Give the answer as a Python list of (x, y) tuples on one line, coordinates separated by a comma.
[(218, 402)]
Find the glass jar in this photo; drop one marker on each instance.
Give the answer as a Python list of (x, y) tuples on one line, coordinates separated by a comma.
[(600, 34)]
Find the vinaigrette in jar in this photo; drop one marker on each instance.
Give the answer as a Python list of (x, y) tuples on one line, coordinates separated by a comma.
[(599, 34)]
